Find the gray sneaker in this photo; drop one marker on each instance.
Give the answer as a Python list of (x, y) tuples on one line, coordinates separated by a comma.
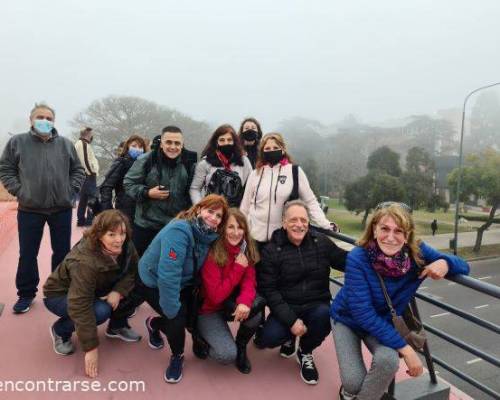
[(126, 334), (64, 348)]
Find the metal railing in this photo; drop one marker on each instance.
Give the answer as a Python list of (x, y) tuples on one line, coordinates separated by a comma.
[(467, 281)]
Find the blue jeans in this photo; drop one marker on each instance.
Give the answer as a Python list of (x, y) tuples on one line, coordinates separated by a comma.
[(316, 319), (30, 231), (64, 326), (89, 189)]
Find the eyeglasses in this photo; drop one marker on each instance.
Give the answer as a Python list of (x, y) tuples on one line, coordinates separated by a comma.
[(386, 204)]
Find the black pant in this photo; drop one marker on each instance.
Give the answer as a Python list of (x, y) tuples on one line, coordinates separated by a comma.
[(30, 230), (316, 319), (142, 237), (89, 189), (172, 328)]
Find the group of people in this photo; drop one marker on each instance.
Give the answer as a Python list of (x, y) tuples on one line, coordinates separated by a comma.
[(208, 242)]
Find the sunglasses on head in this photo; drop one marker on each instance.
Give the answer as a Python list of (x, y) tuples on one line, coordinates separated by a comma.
[(386, 204)]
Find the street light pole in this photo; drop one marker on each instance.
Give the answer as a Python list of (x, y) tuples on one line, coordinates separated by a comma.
[(460, 161)]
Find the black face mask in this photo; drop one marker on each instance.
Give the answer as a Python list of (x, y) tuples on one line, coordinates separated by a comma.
[(273, 157), (250, 135), (227, 150)]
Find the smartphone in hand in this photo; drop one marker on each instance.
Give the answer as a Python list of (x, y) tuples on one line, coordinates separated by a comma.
[(243, 246)]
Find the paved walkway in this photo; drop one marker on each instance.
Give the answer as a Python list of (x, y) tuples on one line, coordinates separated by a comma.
[(465, 239), (26, 353)]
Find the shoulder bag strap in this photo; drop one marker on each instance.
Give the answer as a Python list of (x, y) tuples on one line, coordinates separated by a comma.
[(386, 295)]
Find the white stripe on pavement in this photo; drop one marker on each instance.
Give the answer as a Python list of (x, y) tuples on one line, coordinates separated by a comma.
[(484, 277), (473, 361), (452, 283), (481, 306), (439, 315)]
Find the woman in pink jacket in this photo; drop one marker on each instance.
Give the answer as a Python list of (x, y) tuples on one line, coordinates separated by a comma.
[(229, 294)]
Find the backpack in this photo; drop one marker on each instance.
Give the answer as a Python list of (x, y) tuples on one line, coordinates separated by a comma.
[(295, 189), (228, 184)]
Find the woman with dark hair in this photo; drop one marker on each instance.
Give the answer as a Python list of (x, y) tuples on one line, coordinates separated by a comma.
[(132, 148), (229, 293), (223, 169), (89, 287), (250, 134), (169, 272), (382, 275)]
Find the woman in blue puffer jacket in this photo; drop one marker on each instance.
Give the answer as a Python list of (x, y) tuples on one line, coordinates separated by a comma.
[(360, 312), (169, 269)]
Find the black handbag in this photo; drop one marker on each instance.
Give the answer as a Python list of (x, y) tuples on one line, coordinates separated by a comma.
[(408, 325), (258, 305)]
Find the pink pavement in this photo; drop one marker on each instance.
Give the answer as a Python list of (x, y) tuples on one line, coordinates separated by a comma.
[(26, 352)]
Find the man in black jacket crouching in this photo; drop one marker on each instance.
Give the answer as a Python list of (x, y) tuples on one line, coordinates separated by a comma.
[(294, 279)]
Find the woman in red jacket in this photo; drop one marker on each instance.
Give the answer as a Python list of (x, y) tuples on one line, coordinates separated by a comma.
[(228, 292)]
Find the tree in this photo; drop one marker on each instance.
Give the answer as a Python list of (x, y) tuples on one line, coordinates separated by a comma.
[(114, 118), (481, 177), (485, 123), (385, 160), (418, 179), (310, 167), (365, 193), (436, 136)]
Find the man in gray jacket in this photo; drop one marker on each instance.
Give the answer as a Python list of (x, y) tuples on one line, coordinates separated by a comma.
[(42, 170)]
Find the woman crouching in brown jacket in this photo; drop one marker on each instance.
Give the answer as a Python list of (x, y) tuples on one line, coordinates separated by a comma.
[(88, 287)]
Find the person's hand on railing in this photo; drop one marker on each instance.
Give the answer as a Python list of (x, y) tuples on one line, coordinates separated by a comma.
[(436, 270), (412, 361), (334, 227)]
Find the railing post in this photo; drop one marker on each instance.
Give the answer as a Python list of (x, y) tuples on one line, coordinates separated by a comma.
[(427, 351)]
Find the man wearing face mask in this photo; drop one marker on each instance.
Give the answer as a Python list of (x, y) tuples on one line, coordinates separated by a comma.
[(223, 168), (294, 276), (43, 171), (89, 161), (159, 183)]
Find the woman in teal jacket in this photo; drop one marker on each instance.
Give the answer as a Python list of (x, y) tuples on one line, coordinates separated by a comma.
[(168, 271)]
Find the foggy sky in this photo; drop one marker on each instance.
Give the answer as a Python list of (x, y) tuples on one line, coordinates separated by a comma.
[(220, 61)]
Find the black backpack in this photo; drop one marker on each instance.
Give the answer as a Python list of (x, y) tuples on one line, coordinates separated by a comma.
[(227, 184)]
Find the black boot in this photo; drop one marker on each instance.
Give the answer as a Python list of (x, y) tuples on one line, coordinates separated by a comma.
[(242, 338), (200, 347), (242, 361)]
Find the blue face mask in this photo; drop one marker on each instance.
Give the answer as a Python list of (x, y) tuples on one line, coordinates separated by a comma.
[(43, 126), (134, 152)]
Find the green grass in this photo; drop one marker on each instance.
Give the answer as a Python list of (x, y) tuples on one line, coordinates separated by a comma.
[(350, 223)]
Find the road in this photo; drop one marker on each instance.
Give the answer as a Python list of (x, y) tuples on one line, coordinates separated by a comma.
[(483, 306)]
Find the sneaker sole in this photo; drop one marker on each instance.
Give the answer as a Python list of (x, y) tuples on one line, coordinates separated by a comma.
[(125, 339), (288, 355), (151, 345), (305, 381), (24, 311), (53, 344), (172, 380)]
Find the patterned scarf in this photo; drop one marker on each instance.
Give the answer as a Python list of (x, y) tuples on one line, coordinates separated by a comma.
[(393, 266)]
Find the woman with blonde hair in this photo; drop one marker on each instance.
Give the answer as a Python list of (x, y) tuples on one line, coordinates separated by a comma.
[(389, 258), (275, 181), (229, 294), (169, 272)]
